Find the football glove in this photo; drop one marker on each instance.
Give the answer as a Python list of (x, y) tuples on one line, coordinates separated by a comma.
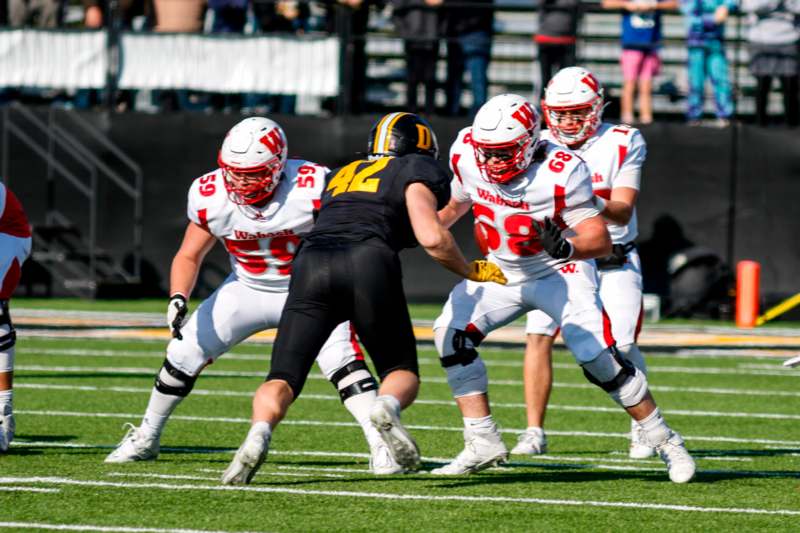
[(553, 243), (482, 270), (176, 315)]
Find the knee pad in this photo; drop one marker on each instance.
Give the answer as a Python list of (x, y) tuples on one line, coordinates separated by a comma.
[(353, 379), (173, 382), (466, 372), (631, 353), (622, 381)]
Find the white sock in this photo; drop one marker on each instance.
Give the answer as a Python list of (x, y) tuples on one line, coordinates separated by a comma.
[(159, 409), (631, 353), (6, 398), (483, 424), (391, 401), (535, 429), (656, 430), (360, 404), (262, 429)]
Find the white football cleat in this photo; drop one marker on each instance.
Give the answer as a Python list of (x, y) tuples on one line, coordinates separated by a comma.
[(7, 427), (639, 449), (481, 450), (246, 461), (794, 361), (134, 446), (381, 462), (680, 465), (400, 443), (532, 442)]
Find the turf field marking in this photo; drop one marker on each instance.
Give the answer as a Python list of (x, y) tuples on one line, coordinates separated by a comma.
[(402, 496), (85, 527), (28, 489), (748, 370), (558, 384), (322, 423), (136, 354), (508, 405), (230, 373)]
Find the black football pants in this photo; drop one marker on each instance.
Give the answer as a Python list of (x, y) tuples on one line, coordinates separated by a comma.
[(360, 282)]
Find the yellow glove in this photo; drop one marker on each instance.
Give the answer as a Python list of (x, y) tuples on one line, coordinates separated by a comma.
[(482, 270)]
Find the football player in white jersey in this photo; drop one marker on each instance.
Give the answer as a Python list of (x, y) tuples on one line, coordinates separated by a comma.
[(258, 204), (573, 108), (533, 206)]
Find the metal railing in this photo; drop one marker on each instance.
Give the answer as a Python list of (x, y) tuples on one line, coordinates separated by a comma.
[(25, 126)]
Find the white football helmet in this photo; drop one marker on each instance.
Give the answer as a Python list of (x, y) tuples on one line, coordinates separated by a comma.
[(573, 105), (252, 158), (504, 135)]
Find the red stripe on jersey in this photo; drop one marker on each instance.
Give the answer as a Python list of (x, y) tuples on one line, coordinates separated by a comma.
[(202, 215), (623, 151), (639, 322), (605, 194), (607, 335), (560, 200), (11, 280), (317, 203), (14, 222), (454, 163)]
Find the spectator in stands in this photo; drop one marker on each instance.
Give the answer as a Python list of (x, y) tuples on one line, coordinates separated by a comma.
[(641, 39), (417, 23), (36, 13), (96, 16), (348, 19), (556, 36), (705, 23), (230, 16), (773, 35), (178, 16), (468, 27), (95, 13)]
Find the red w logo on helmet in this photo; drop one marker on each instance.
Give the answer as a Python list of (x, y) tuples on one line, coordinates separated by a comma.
[(525, 116), (591, 81), (273, 142)]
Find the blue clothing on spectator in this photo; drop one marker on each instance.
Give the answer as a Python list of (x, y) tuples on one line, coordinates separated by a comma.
[(705, 40), (699, 20), (641, 31)]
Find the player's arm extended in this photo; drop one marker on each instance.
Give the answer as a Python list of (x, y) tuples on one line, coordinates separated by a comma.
[(452, 212), (619, 209), (591, 239), (432, 235), (186, 264)]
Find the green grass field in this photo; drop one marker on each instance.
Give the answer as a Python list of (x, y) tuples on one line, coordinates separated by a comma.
[(740, 417)]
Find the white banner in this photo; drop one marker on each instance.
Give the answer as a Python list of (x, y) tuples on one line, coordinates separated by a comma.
[(278, 65), (52, 59), (261, 64)]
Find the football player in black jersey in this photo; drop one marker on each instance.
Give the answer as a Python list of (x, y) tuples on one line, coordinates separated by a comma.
[(348, 268)]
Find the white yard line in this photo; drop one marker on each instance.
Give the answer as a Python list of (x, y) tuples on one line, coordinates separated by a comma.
[(128, 416), (28, 489), (402, 496), (86, 527), (427, 379), (507, 405)]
